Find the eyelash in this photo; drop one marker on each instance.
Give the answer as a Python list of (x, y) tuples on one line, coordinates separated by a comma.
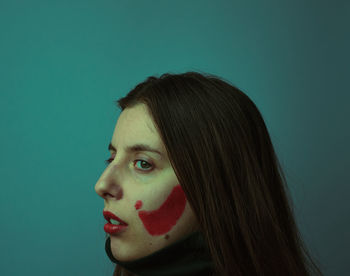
[(108, 161)]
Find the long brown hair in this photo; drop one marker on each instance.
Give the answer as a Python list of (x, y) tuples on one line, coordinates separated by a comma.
[(223, 157)]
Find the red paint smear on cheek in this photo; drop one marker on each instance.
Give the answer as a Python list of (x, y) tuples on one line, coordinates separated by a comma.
[(160, 221), (138, 204)]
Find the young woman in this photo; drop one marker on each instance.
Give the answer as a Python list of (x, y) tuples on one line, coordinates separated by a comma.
[(194, 186)]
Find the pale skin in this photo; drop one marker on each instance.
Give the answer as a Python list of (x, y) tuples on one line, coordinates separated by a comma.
[(126, 181)]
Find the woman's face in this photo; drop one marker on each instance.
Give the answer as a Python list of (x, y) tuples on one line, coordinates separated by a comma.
[(141, 188)]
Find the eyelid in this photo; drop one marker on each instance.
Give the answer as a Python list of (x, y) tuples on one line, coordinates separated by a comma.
[(151, 168), (108, 161)]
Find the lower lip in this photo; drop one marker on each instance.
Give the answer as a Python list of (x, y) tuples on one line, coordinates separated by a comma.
[(113, 229)]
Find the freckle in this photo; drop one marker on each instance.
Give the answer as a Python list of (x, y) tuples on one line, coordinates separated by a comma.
[(138, 204), (166, 237)]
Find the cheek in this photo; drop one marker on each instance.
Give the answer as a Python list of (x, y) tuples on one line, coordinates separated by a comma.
[(160, 221)]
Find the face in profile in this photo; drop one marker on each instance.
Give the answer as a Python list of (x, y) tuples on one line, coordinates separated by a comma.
[(141, 188)]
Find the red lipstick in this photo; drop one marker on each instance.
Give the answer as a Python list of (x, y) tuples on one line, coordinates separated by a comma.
[(112, 227)]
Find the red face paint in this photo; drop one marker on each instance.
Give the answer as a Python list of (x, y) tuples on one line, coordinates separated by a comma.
[(138, 204), (160, 221)]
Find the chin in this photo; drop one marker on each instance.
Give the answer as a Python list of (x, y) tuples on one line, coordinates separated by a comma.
[(123, 252)]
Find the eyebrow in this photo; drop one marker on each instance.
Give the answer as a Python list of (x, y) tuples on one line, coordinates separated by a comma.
[(136, 147)]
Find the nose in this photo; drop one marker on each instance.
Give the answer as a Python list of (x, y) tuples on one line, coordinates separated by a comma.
[(108, 187)]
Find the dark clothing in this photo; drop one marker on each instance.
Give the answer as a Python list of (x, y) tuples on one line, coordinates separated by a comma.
[(187, 257)]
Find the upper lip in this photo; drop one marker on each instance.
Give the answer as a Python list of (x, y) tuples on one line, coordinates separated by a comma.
[(109, 215)]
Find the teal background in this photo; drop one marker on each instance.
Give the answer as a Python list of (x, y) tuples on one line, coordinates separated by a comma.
[(63, 63)]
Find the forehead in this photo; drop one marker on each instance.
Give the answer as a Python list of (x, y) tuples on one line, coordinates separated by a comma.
[(135, 125)]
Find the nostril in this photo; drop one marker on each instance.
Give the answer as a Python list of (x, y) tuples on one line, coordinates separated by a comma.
[(106, 195)]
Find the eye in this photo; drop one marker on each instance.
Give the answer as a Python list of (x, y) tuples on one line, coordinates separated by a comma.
[(143, 162)]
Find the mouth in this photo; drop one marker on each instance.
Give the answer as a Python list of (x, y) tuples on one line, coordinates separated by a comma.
[(115, 225), (113, 219)]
